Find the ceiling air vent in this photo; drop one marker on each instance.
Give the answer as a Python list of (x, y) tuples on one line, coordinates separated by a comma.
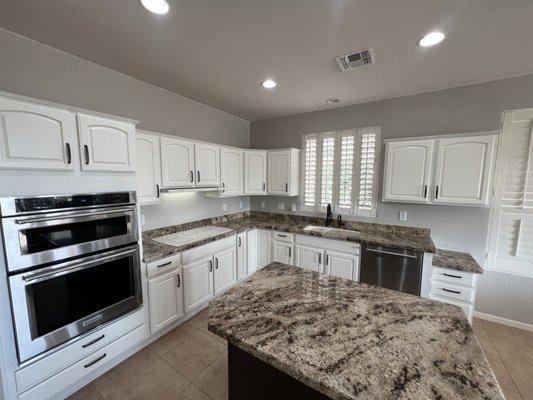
[(355, 60)]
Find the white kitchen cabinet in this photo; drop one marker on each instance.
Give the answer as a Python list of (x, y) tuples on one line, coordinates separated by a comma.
[(148, 168), (264, 252), (105, 144), (282, 252), (166, 299), (242, 256), (225, 269), (342, 265), (207, 162), (177, 163), (252, 245), (463, 170), (198, 282), (309, 258), (407, 174), (36, 137), (255, 172), (284, 172), (232, 172)]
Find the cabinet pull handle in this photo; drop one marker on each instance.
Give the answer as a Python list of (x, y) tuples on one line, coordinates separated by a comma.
[(453, 276), (192, 176), (437, 192), (451, 291), (223, 187), (86, 148), (240, 241), (69, 153), (287, 187), (210, 266), (216, 263), (158, 191), (290, 252), (327, 259), (95, 361), (92, 342), (264, 186), (282, 235), (179, 280), (198, 174), (320, 258), (164, 265), (425, 191)]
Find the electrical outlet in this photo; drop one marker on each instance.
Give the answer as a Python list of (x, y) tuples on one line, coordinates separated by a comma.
[(224, 207), (402, 215), (262, 204), (241, 204), (281, 205), (293, 207)]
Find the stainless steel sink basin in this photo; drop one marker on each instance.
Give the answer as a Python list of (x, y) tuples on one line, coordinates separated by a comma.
[(327, 231)]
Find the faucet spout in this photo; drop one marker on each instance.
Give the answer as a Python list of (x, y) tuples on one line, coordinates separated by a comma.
[(329, 215)]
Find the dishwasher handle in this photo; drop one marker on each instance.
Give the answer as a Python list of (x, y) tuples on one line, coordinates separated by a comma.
[(391, 253)]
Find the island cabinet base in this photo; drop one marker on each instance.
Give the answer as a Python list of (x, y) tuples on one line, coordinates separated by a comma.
[(253, 379)]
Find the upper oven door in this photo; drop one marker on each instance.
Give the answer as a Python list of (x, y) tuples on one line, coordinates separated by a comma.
[(46, 238)]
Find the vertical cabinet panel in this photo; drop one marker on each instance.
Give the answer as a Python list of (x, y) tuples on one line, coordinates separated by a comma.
[(342, 265), (225, 270), (148, 168), (207, 161), (106, 145), (264, 253), (232, 172), (282, 252), (177, 163), (309, 258), (166, 300), (255, 172), (198, 282), (252, 244), (408, 171), (242, 256), (36, 137)]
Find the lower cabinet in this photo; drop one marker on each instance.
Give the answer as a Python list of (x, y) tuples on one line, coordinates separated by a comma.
[(225, 270), (198, 282), (343, 265), (166, 299), (242, 256), (252, 247), (282, 252), (264, 253), (308, 258)]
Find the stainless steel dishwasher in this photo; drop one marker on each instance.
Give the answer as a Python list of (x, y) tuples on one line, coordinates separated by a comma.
[(392, 268)]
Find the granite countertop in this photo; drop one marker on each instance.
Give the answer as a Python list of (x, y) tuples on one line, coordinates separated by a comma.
[(457, 261), (349, 340)]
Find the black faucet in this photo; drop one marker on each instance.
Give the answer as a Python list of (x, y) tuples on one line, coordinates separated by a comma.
[(339, 221), (329, 216)]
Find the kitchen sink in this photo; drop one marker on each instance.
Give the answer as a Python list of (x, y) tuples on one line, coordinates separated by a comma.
[(327, 231)]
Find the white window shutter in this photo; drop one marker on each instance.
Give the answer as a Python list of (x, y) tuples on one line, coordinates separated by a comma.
[(368, 170), (310, 159)]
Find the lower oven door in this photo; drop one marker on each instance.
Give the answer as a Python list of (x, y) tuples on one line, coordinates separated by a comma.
[(55, 304)]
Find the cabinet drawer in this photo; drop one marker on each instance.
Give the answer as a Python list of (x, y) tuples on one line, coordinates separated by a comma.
[(283, 236), (453, 277), (163, 265), (77, 371), (207, 249), (329, 244), (446, 290), (468, 309), (62, 358)]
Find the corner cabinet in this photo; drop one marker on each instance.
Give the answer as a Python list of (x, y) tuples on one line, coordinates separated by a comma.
[(455, 170), (255, 172), (284, 172), (106, 145), (148, 168)]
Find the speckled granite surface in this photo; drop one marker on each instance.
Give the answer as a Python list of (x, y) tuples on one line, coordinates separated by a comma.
[(456, 260), (349, 340), (418, 239)]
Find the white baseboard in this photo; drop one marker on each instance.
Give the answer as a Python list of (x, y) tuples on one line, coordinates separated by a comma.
[(504, 321)]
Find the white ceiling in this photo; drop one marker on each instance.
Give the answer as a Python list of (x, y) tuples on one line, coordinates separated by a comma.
[(219, 51)]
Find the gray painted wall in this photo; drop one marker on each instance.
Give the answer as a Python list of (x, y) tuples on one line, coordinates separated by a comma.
[(35, 70), (473, 108)]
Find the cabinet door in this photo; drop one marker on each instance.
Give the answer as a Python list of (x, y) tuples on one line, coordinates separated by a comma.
[(148, 168), (255, 172), (408, 171), (198, 282), (309, 258), (343, 265), (166, 299), (106, 145), (177, 163), (242, 256), (279, 164), (264, 254), (36, 137), (225, 270), (232, 171), (252, 246), (282, 252), (463, 170), (207, 161)]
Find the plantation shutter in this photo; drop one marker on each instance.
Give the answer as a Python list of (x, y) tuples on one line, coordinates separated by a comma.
[(310, 171)]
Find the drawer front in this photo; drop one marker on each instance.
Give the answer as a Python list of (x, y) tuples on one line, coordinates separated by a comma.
[(59, 360), (468, 309), (85, 366), (164, 265), (453, 277), (283, 236), (329, 244), (208, 249), (461, 293)]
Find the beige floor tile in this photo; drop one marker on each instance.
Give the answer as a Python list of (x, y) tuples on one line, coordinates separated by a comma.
[(510, 395), (200, 319), (158, 381), (87, 393), (192, 393), (126, 370), (212, 335), (214, 380), (194, 355), (500, 371), (172, 339), (522, 375)]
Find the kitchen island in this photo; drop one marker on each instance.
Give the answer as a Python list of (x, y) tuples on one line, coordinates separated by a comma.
[(293, 333)]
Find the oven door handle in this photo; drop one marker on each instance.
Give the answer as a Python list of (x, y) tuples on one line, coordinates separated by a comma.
[(73, 216), (76, 265)]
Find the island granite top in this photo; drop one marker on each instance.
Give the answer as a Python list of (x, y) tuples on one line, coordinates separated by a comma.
[(457, 261), (349, 340)]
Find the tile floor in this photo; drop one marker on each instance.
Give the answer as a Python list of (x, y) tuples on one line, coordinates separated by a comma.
[(190, 363)]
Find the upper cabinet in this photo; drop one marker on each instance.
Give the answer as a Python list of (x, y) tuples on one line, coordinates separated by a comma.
[(255, 172), (451, 170), (207, 162), (232, 172), (36, 137), (284, 172), (177, 161), (148, 168), (106, 145)]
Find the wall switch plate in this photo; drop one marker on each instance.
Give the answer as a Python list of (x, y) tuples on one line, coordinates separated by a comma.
[(281, 205), (241, 204), (262, 204), (293, 207), (142, 219), (402, 215), (224, 207)]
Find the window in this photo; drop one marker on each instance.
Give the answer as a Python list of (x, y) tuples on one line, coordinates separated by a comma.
[(511, 239), (340, 168)]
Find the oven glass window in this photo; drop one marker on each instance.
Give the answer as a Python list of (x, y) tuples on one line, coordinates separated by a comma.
[(62, 300), (53, 237)]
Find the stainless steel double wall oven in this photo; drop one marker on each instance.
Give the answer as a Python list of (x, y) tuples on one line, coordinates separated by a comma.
[(72, 263)]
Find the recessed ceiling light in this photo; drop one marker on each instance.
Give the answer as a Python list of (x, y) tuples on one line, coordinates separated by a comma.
[(269, 84), (333, 100), (156, 6), (431, 39)]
